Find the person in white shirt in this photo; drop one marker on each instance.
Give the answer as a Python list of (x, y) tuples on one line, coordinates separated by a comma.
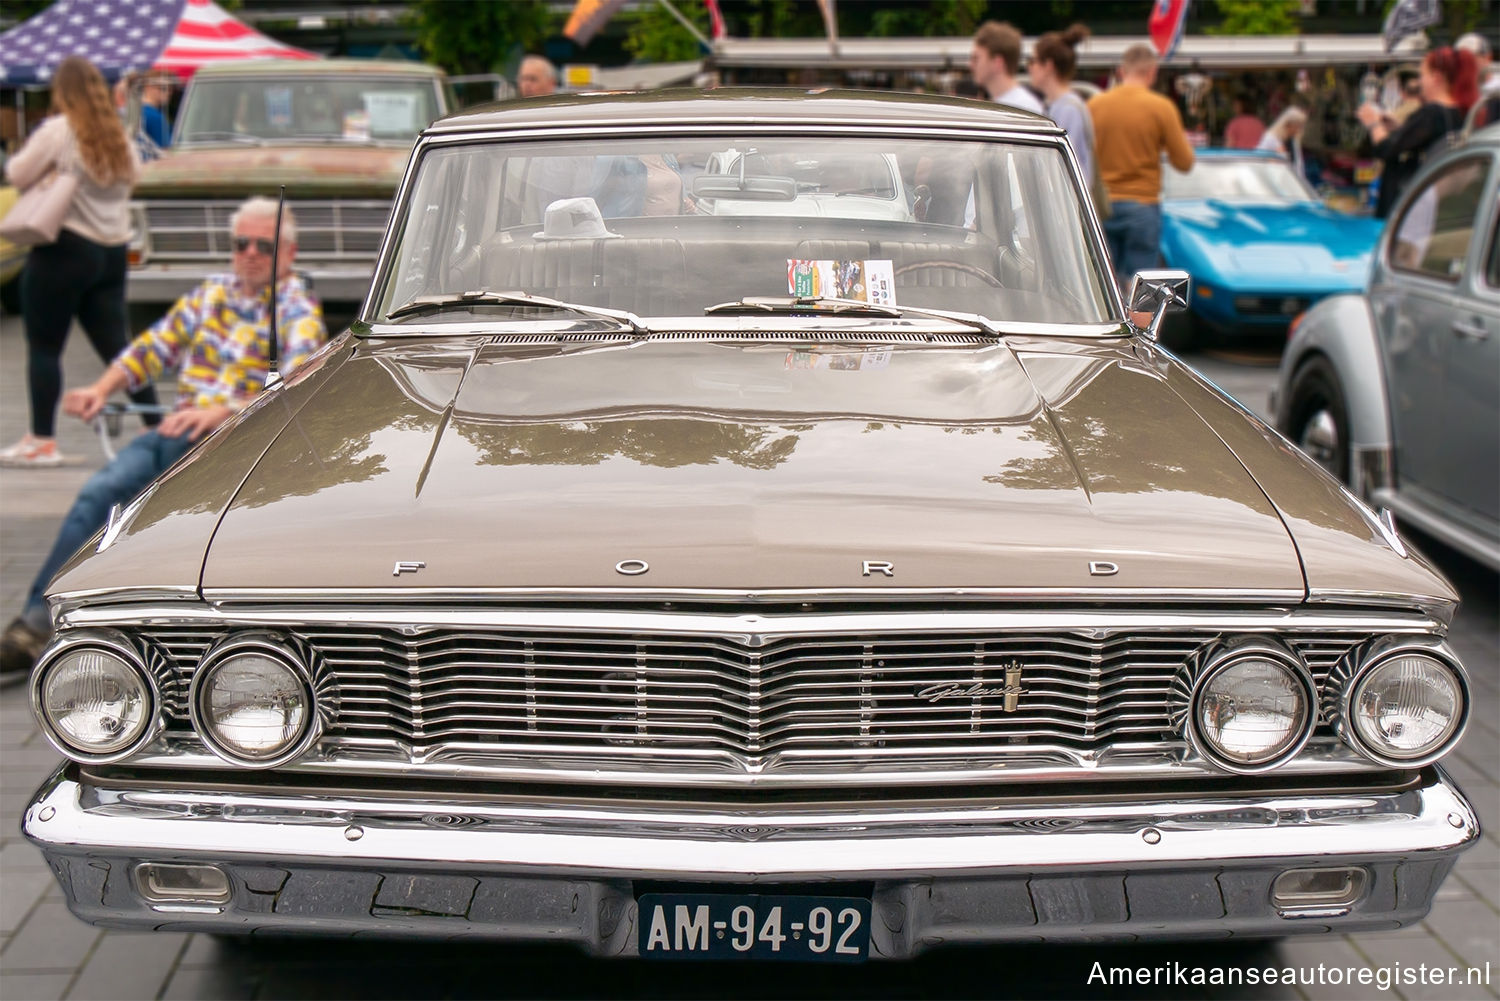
[(1284, 136), (995, 64)]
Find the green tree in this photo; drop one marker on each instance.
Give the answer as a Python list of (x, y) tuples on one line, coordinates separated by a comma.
[(1460, 16), (939, 18), (653, 34), (1257, 17), (478, 37)]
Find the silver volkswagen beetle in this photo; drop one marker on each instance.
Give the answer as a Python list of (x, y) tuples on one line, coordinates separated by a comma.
[(683, 584), (1397, 391)]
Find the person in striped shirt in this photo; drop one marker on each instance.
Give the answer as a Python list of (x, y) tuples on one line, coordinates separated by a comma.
[(217, 338)]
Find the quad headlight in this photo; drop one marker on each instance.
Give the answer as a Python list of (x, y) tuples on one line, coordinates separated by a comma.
[(94, 697), (1402, 702), (252, 701), (1251, 707)]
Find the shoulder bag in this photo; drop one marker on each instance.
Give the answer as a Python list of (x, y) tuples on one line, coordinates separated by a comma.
[(36, 217)]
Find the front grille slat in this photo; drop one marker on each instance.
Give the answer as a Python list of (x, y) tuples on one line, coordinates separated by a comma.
[(337, 229), (783, 704)]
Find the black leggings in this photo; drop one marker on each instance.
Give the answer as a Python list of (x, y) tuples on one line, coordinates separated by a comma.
[(72, 277)]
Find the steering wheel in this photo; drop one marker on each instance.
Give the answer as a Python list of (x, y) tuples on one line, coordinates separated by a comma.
[(959, 266)]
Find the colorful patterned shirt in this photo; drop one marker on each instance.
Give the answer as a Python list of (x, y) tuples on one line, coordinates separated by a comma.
[(217, 336)]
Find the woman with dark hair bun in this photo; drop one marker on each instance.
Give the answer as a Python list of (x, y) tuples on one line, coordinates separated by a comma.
[(1450, 84), (1053, 63), (1054, 60)]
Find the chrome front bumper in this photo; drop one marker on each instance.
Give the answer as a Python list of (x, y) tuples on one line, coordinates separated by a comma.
[(516, 868)]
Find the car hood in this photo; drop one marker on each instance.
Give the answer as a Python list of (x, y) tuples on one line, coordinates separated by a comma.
[(230, 171), (751, 467), (1300, 242)]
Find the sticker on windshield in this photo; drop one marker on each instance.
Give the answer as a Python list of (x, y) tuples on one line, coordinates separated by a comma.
[(838, 359), (391, 112), (278, 107), (868, 281), (356, 125)]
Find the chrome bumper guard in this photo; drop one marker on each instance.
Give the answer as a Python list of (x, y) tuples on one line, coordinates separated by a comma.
[(518, 869)]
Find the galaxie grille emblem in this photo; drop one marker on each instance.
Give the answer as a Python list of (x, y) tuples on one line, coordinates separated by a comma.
[(1103, 568), (1011, 690), (407, 566), (632, 568), (878, 566)]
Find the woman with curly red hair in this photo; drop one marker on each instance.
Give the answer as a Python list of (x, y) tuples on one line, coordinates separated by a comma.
[(81, 275), (1450, 84)]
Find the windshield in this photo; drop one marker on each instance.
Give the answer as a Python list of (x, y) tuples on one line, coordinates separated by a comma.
[(1237, 180), (350, 109), (670, 227)]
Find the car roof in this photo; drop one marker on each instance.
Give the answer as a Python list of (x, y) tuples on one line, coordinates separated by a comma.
[(744, 107), (317, 67)]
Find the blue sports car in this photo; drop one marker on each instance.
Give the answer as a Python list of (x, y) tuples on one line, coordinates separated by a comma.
[(1259, 244)]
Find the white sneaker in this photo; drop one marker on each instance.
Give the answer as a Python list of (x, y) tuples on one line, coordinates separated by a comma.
[(31, 451)]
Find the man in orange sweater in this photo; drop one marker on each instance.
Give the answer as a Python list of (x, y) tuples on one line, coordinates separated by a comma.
[(1133, 126)]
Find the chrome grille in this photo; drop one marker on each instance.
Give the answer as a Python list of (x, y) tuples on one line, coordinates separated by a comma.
[(327, 229), (433, 691)]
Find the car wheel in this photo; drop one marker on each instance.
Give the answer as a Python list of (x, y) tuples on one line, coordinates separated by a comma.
[(1319, 420)]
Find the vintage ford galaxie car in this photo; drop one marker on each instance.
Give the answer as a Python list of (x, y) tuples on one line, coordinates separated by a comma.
[(1259, 244), (684, 584)]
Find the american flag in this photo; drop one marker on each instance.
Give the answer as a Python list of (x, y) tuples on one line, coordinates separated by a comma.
[(120, 36)]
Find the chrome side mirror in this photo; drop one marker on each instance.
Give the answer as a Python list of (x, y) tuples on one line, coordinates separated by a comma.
[(1157, 293)]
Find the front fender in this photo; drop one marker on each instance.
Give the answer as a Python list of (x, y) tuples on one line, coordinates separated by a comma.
[(1341, 328)]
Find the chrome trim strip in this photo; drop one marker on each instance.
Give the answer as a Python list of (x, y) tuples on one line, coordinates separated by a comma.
[(736, 124), (837, 841), (885, 595), (395, 610), (750, 629), (634, 768)]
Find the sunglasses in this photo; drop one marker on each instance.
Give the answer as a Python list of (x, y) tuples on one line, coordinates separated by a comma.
[(244, 243)]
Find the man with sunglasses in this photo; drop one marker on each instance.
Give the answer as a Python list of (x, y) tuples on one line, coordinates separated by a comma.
[(217, 337)]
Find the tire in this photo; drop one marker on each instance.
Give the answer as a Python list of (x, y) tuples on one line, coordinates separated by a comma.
[(1318, 419)]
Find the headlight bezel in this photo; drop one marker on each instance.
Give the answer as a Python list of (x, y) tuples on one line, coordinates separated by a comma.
[(1357, 667), (120, 646), (279, 648), (1225, 656)]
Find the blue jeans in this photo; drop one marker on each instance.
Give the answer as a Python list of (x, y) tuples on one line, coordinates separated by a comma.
[(1134, 234), (136, 465)]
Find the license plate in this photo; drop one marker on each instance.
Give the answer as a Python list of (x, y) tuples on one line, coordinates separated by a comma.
[(734, 926)]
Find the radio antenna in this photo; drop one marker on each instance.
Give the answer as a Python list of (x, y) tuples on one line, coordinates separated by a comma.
[(273, 362)]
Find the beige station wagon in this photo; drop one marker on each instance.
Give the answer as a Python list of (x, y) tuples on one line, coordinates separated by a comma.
[(684, 582), (335, 132)]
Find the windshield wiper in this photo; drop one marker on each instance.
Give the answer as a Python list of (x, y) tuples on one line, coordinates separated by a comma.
[(848, 307), (481, 297)]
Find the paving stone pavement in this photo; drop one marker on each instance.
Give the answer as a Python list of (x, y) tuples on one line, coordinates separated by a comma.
[(46, 953)]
